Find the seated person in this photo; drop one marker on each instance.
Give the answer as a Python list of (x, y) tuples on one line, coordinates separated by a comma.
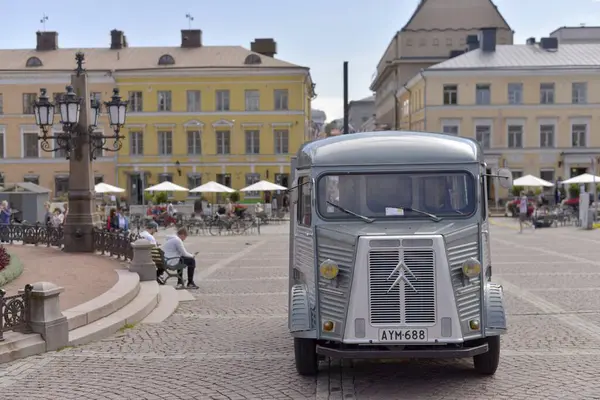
[(175, 253)]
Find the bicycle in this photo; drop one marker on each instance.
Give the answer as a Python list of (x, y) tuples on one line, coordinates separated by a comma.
[(233, 225)]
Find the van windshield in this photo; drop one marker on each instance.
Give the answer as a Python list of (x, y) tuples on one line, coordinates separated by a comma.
[(446, 194)]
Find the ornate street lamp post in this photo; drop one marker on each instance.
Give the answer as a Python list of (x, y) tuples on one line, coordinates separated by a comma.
[(80, 144)]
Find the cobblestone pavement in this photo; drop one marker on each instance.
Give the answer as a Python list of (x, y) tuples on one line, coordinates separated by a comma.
[(231, 342)]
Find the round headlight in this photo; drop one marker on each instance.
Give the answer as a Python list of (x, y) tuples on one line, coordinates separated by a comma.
[(329, 269), (471, 268)]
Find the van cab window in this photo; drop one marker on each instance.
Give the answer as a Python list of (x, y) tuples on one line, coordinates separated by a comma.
[(446, 194), (304, 208)]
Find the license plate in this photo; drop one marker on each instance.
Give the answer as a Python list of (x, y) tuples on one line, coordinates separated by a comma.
[(403, 335)]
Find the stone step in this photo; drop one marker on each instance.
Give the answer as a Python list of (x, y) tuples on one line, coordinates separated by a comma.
[(142, 305), (19, 345), (167, 304), (117, 297)]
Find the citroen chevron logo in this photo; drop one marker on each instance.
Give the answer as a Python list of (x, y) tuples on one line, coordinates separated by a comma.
[(401, 269)]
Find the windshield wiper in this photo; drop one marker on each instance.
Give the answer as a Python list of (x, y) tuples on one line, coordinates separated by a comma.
[(342, 209), (433, 217)]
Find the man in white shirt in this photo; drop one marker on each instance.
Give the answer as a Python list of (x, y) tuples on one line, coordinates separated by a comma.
[(175, 253), (148, 234)]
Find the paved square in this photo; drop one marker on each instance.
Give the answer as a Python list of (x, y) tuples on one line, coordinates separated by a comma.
[(231, 341)]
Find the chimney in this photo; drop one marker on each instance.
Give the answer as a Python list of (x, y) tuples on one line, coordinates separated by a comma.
[(530, 41), (487, 38), (191, 38), (47, 41), (117, 40), (549, 43), (266, 47), (472, 42)]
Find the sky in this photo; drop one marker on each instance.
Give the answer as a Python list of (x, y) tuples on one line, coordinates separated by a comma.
[(317, 34)]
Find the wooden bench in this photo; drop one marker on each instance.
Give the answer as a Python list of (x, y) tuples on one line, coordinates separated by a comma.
[(161, 262)]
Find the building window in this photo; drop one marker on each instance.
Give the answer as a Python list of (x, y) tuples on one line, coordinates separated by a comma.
[(578, 135), (547, 93), (252, 142), (451, 127), (165, 143), (515, 136), (193, 101), (483, 94), (96, 96), (135, 101), (28, 102), (281, 99), (164, 100), (136, 143), (450, 95), (547, 175), (252, 100), (1, 104), (99, 152), (2, 144), (250, 180), (164, 177), (303, 206), (436, 42), (281, 141), (31, 146), (194, 181), (547, 135), (517, 173), (409, 42), (483, 134), (222, 100), (579, 92), (515, 93), (223, 142), (61, 186), (61, 153), (98, 179), (35, 179), (194, 143), (422, 42)]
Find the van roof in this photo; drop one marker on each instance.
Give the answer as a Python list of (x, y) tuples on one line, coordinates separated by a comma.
[(389, 147)]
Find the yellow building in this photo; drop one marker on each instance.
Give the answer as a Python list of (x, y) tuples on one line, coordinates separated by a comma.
[(532, 107), (197, 113)]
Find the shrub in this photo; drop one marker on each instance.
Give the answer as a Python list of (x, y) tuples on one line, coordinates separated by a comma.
[(574, 190), (234, 197), (4, 258), (516, 190), (161, 198)]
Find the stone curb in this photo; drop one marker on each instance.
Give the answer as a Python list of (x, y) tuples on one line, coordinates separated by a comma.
[(117, 297)]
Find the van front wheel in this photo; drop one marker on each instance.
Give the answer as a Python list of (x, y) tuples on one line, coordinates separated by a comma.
[(305, 352), (487, 363)]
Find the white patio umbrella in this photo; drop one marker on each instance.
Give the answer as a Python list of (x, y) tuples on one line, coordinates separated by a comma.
[(166, 186), (106, 188), (212, 187), (263, 186), (582, 179), (531, 181)]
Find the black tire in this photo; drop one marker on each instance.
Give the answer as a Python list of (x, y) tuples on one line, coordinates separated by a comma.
[(487, 363), (305, 353), (215, 228)]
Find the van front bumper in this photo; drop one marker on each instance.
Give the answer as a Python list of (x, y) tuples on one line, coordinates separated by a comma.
[(367, 352)]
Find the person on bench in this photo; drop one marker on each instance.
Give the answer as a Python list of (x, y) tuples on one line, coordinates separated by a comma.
[(175, 253)]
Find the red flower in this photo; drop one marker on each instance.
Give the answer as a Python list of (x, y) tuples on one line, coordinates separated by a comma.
[(4, 258)]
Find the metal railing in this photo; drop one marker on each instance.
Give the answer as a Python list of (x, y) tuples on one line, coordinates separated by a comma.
[(15, 311), (112, 243)]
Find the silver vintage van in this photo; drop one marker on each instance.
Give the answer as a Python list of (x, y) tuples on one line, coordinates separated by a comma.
[(390, 250)]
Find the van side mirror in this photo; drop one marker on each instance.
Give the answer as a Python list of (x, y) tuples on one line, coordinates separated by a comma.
[(505, 178)]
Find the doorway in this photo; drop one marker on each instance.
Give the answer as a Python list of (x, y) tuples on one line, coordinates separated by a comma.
[(577, 171), (223, 179), (136, 189)]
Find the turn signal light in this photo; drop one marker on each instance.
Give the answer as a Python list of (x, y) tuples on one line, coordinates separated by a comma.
[(328, 326), (474, 324)]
